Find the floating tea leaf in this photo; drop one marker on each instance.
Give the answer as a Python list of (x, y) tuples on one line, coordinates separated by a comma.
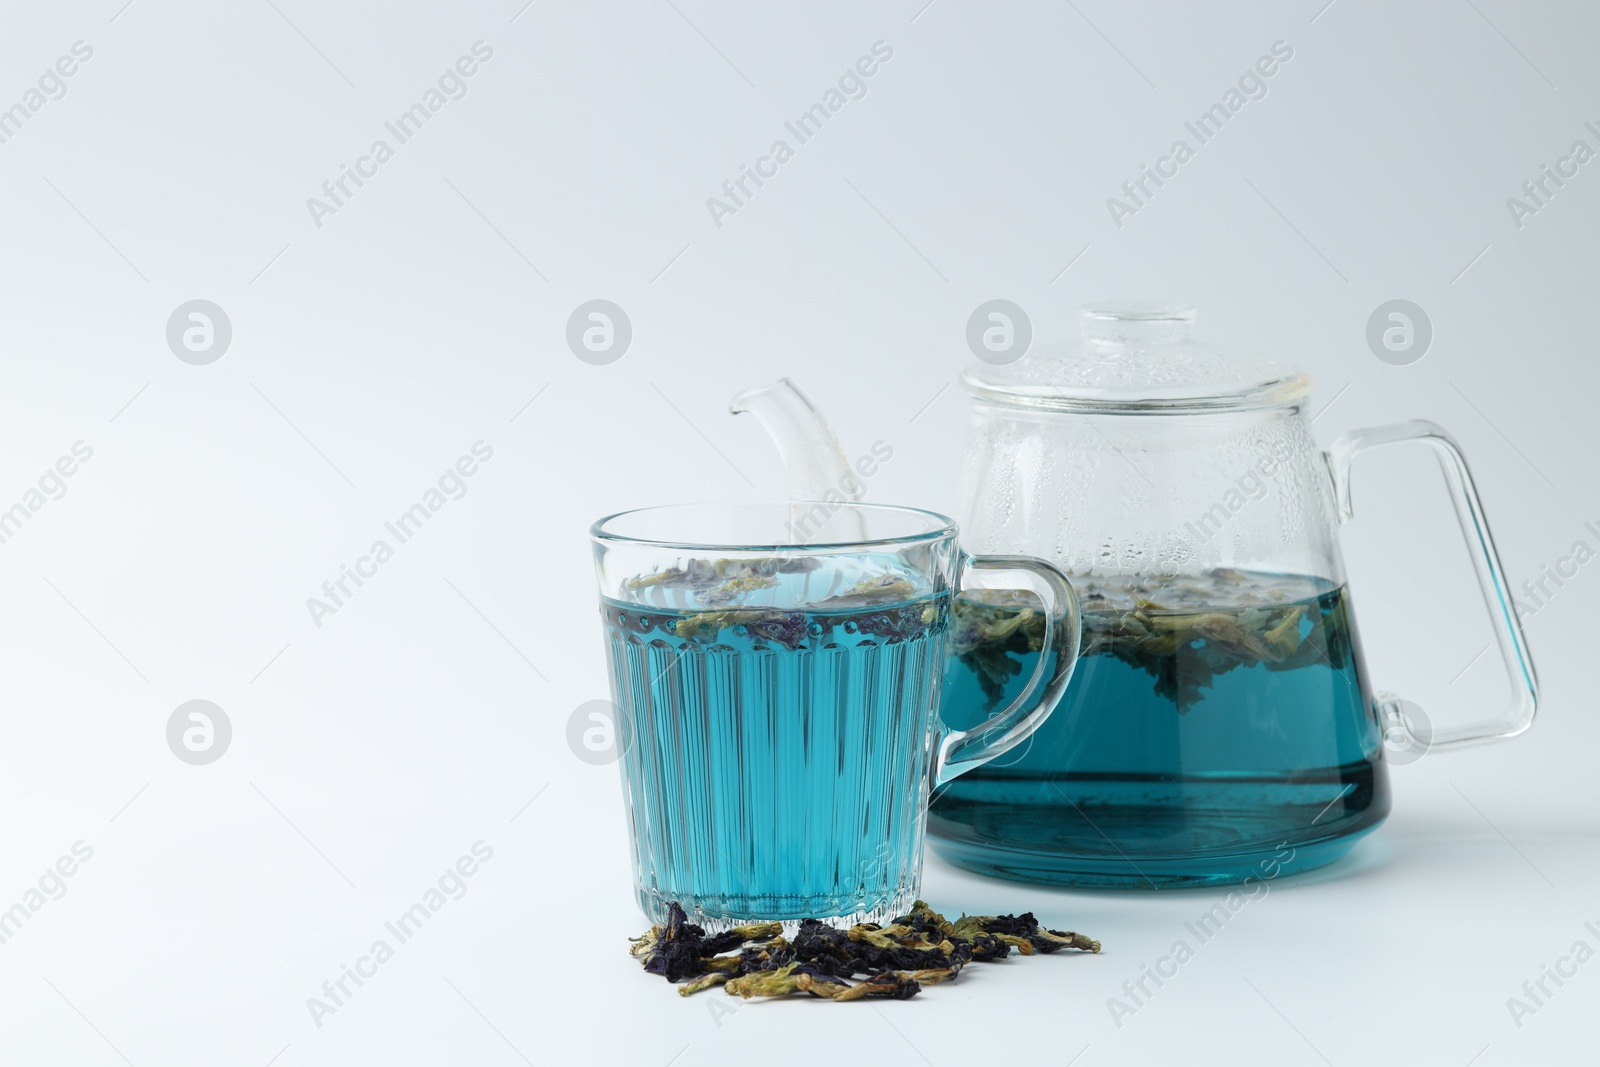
[(715, 595), (991, 632), (787, 628), (717, 581), (878, 589), (1220, 620)]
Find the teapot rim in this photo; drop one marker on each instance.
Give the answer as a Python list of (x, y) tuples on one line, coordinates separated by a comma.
[(1107, 401)]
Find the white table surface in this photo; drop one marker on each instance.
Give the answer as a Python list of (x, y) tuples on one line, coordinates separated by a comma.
[(176, 945)]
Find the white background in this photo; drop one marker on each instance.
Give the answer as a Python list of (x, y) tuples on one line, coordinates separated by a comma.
[(368, 354)]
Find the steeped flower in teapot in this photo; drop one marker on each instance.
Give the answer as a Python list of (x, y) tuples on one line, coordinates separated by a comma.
[(1220, 724)]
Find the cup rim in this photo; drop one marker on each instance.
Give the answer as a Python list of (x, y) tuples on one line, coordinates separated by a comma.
[(937, 526)]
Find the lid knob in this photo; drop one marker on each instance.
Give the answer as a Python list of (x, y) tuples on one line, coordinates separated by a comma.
[(1137, 324)]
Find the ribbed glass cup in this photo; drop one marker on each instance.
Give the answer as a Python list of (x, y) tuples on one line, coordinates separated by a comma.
[(776, 673)]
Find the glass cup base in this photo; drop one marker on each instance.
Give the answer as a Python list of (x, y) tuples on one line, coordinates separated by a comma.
[(718, 914)]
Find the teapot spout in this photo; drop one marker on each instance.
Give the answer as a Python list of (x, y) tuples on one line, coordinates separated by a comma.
[(813, 463)]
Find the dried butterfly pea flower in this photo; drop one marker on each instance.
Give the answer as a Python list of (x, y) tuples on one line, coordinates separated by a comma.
[(986, 948), (789, 978), (801, 978), (895, 985), (897, 960), (1024, 932), (705, 981), (738, 935), (927, 920), (1056, 940), (932, 976), (679, 949), (1019, 925)]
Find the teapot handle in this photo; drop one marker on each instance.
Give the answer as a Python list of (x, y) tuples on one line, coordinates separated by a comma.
[(959, 751), (1399, 730)]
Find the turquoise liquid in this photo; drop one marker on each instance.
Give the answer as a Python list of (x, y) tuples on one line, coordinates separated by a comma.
[(1178, 765), (776, 762)]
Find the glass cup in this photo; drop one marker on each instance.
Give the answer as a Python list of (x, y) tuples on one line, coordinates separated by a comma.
[(776, 672)]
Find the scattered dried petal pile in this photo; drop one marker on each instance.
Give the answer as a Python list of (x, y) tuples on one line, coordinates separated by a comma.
[(922, 948)]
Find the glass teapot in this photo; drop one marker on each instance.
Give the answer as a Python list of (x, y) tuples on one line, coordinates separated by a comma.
[(1220, 725)]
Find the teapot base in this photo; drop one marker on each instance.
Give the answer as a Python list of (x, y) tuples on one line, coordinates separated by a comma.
[(1094, 873), (1149, 834)]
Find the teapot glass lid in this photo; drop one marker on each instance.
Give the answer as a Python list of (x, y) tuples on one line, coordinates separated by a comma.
[(1137, 357)]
